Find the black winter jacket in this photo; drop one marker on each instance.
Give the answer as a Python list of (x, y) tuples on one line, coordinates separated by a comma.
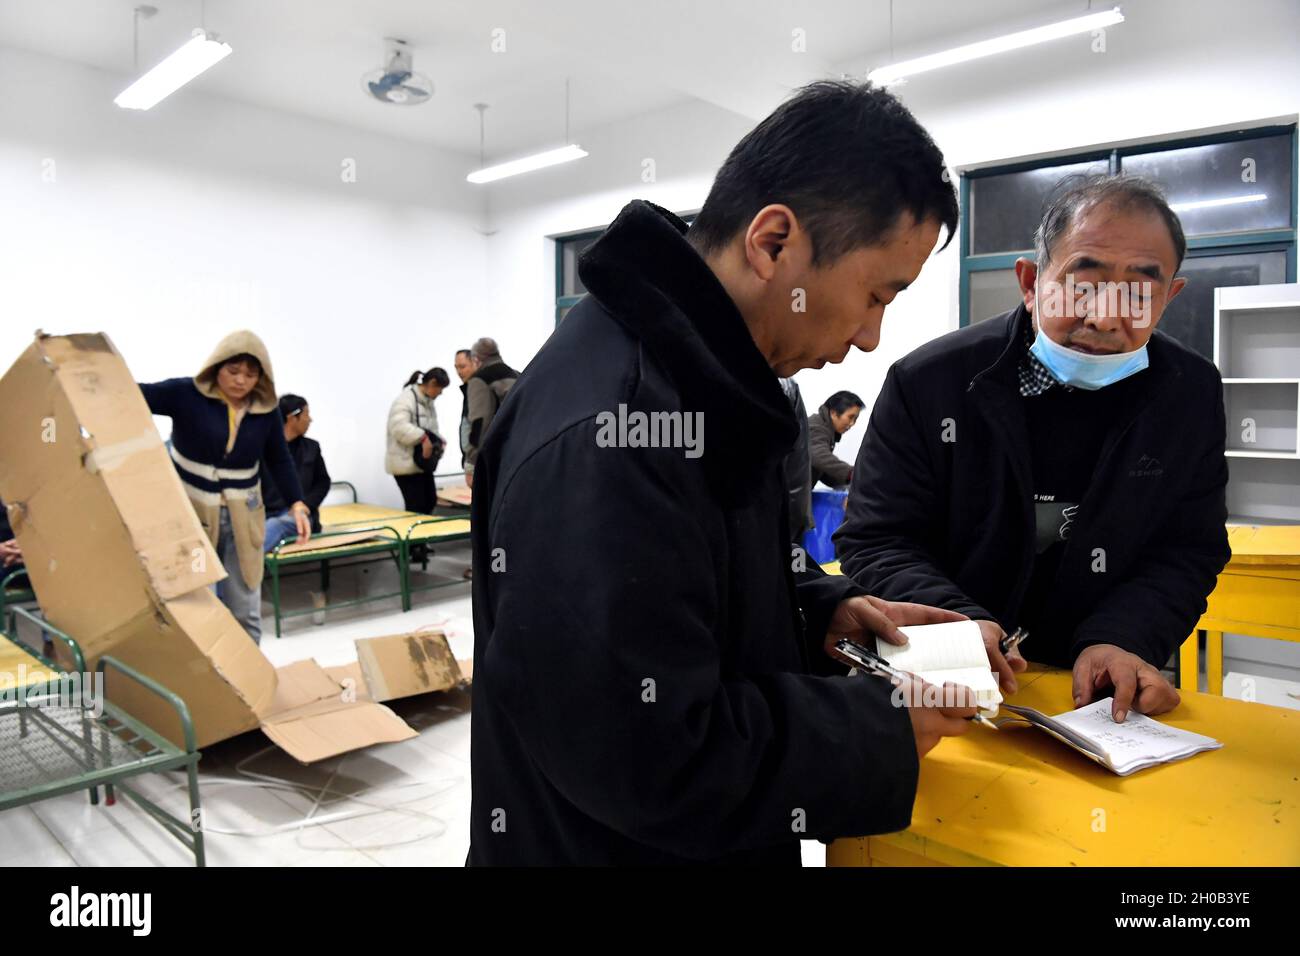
[(649, 684), (940, 509)]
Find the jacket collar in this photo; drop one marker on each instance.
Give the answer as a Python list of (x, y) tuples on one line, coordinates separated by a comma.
[(654, 283)]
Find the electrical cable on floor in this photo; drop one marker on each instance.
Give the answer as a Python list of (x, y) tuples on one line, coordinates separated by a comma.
[(249, 778)]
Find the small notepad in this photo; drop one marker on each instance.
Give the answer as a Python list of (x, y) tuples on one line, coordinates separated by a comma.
[(952, 652), (1139, 742)]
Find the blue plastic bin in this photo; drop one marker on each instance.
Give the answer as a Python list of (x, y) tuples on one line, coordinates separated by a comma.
[(828, 515)]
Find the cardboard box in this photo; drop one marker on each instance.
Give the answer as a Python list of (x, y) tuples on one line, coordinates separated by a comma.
[(119, 561)]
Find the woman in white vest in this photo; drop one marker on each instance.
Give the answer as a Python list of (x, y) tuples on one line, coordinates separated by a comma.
[(413, 422)]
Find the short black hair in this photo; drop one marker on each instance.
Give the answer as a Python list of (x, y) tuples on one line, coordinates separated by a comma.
[(291, 404), (464, 352), (841, 402), (847, 157), (1081, 191)]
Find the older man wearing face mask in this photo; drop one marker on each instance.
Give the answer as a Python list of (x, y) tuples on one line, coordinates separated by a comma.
[(1059, 467)]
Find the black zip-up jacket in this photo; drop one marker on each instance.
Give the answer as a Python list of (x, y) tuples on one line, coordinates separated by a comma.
[(309, 463), (940, 509), (645, 688)]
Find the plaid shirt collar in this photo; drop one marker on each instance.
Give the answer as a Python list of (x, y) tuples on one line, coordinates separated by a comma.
[(1035, 379)]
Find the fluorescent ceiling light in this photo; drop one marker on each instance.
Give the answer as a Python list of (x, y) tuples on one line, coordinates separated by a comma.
[(200, 52), (1211, 203), (1012, 41), (527, 164)]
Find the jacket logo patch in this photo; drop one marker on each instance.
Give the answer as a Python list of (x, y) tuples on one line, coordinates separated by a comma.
[(1147, 467)]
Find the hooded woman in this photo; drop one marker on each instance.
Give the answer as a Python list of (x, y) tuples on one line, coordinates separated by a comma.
[(225, 421)]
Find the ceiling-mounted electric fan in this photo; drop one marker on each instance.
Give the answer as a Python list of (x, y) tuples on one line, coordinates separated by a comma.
[(395, 82)]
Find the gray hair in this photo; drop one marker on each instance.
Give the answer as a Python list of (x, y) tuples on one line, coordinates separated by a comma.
[(484, 349), (1082, 191)]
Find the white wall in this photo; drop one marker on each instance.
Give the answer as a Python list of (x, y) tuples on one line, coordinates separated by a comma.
[(169, 228), (686, 144), (1176, 66)]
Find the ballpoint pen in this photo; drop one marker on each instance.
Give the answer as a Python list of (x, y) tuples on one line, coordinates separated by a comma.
[(868, 660), (1013, 640)]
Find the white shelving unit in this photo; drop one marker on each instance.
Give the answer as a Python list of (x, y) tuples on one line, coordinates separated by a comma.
[(1257, 350)]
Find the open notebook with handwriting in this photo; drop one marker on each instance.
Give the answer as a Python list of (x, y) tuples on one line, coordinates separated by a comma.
[(1139, 742), (954, 652)]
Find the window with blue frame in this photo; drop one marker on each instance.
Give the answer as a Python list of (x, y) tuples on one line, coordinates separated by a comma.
[(1234, 192)]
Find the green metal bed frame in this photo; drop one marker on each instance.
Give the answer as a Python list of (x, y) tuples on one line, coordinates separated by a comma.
[(390, 545), (394, 545), (408, 544), (12, 594), (62, 748)]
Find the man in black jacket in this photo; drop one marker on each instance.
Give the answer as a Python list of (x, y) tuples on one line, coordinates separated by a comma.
[(650, 680), (310, 465), (1064, 474)]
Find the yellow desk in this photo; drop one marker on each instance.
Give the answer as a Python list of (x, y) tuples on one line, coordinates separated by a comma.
[(1017, 797), (1257, 594)]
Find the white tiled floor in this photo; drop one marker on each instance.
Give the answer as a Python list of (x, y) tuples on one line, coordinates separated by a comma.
[(415, 794)]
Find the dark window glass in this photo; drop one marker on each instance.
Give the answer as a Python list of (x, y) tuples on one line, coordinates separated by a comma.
[(1190, 317), (1223, 187), (571, 250), (991, 293), (1005, 209)]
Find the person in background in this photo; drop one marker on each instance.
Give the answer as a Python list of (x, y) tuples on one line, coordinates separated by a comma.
[(797, 467), (412, 421), (225, 423), (11, 553), (837, 415), (312, 473), (485, 390), (465, 367)]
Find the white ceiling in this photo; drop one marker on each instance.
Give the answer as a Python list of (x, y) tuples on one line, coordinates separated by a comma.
[(623, 57)]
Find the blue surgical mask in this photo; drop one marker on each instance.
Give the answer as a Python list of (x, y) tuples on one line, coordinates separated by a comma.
[(1079, 369)]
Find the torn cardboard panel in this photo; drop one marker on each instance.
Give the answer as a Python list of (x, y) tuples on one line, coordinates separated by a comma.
[(402, 665), (67, 399), (351, 678), (315, 715), (335, 541), (118, 560)]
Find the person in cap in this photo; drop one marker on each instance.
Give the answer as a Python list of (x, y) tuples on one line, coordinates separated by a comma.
[(312, 474)]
